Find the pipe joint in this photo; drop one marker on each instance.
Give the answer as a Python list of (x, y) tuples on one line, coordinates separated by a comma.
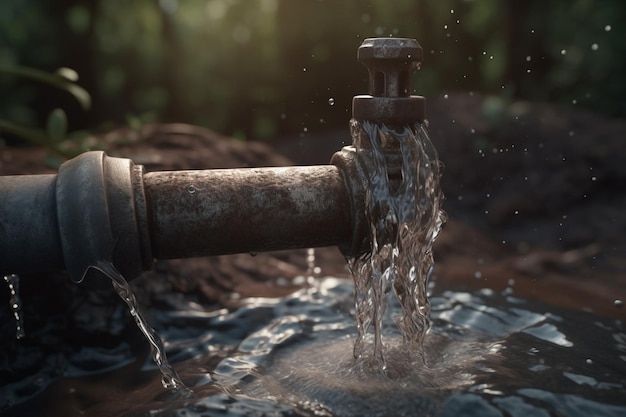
[(101, 213)]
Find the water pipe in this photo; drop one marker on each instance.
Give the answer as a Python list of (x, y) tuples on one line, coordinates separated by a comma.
[(101, 208)]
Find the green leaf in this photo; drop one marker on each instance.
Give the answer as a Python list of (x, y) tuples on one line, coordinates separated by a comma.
[(68, 73), (34, 136), (56, 80), (56, 125)]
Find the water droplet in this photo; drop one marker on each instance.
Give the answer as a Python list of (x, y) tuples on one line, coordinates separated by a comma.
[(607, 28), (528, 58), (445, 96), (451, 11), (306, 129), (594, 47), (331, 101), (574, 101), (478, 275), (618, 303), (253, 254), (563, 51), (589, 362), (303, 69), (191, 189), (13, 282), (445, 27)]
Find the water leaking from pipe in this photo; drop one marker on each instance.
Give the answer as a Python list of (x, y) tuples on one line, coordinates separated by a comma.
[(403, 208), (15, 302), (170, 378)]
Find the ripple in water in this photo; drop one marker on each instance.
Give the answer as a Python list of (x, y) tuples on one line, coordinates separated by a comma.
[(486, 355)]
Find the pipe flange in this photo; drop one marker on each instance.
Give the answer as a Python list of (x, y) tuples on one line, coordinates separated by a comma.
[(355, 180), (389, 110), (97, 215)]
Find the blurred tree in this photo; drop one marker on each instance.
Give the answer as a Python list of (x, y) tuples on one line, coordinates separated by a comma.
[(260, 68)]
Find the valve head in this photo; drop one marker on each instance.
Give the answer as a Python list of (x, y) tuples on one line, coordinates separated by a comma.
[(390, 63)]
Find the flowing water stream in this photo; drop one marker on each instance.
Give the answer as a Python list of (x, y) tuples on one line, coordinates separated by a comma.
[(403, 210)]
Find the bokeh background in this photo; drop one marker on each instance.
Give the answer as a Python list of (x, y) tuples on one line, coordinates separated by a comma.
[(260, 69)]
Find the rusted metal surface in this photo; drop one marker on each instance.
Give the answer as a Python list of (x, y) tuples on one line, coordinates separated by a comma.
[(100, 208), (390, 62), (193, 213)]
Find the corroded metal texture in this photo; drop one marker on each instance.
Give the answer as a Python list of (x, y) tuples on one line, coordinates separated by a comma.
[(100, 208), (216, 212), (390, 62)]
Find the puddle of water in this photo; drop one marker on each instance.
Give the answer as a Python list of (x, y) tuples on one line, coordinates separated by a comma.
[(487, 354)]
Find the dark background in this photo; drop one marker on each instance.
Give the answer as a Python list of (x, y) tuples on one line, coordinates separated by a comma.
[(259, 69)]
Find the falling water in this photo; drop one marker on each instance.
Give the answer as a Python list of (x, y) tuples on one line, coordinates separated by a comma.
[(170, 378), (403, 209), (13, 281)]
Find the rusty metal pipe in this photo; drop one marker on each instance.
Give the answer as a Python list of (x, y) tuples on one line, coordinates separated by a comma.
[(104, 208), (216, 212)]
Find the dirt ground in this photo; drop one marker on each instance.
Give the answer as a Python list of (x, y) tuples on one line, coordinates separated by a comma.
[(535, 198)]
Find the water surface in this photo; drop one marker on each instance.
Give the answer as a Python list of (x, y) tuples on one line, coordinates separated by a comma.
[(487, 354)]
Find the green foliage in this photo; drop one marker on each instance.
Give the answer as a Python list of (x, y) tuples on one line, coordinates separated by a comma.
[(266, 67), (56, 123), (63, 79)]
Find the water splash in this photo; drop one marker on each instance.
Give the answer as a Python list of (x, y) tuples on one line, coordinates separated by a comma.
[(170, 378), (403, 210), (312, 270), (13, 281)]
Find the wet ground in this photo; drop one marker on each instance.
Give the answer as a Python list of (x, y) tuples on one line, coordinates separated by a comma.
[(536, 206)]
